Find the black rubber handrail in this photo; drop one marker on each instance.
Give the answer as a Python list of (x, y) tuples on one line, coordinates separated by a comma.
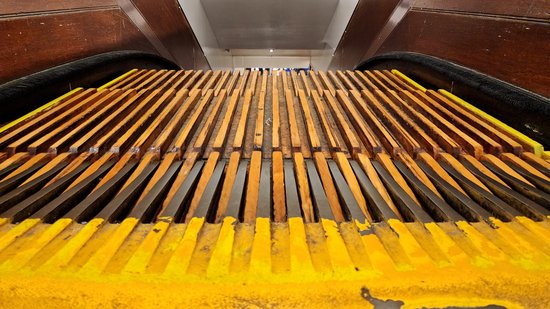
[(25, 94), (521, 109)]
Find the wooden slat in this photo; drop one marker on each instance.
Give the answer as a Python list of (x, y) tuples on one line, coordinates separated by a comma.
[(305, 81), (303, 188), (310, 126), (346, 81), (377, 82), (208, 127), (355, 80), (390, 143), (168, 133), (206, 174), (405, 125), (347, 133), (243, 120), (316, 82), (503, 138), (293, 123), (467, 143), (221, 83), (253, 82), (221, 136), (276, 131), (347, 171), (201, 82), (142, 122), (489, 145), (366, 81), (232, 82), (192, 80), (227, 186), (332, 139), (180, 80), (210, 84), (183, 137), (338, 82), (295, 82), (252, 188), (328, 185), (83, 105), (147, 74), (259, 128), (369, 138), (327, 83), (279, 201), (242, 83)]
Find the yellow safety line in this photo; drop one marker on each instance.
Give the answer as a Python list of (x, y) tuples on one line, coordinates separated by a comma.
[(114, 81), (38, 110), (538, 149), (408, 80)]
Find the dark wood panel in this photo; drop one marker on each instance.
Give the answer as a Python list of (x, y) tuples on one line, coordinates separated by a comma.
[(36, 42), (25, 7), (368, 19), (167, 20), (515, 51), (520, 8)]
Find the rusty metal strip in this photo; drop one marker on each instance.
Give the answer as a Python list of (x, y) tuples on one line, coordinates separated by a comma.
[(461, 202), (320, 202), (235, 199), (145, 209), (292, 200), (91, 205), (264, 196), (24, 191), (436, 206), (351, 206), (407, 206), (124, 198), (69, 198), (213, 187), (380, 208), (31, 204), (177, 205)]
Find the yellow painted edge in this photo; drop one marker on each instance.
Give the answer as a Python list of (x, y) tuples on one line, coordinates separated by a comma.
[(114, 81), (408, 80), (181, 258), (38, 110), (260, 257), (300, 259), (16, 232), (139, 261), (24, 256), (70, 249), (101, 258), (221, 254), (546, 155), (538, 149)]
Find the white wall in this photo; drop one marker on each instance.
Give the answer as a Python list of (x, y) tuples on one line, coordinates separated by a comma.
[(271, 61), (320, 59), (221, 59), (194, 12)]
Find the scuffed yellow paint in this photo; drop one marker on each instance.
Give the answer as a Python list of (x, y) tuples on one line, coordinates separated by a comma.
[(16, 232), (463, 282)]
